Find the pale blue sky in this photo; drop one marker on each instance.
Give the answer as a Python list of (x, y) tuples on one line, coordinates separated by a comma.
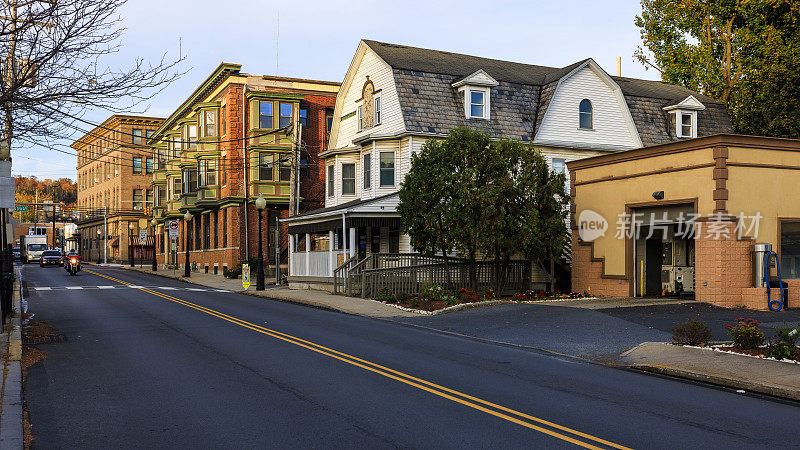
[(318, 39)]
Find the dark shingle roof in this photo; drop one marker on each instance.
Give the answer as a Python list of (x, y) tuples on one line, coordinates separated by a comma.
[(430, 105)]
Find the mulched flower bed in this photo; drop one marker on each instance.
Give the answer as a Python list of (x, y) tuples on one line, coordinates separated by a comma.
[(760, 352)]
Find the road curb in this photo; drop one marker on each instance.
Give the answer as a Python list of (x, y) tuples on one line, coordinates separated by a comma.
[(775, 391)]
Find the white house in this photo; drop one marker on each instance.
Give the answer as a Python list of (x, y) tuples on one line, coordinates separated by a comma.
[(395, 97)]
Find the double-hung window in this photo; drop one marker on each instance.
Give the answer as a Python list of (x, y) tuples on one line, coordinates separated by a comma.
[(137, 164), (190, 136), (377, 110), (330, 181), (208, 172), (360, 118), (265, 166), (148, 199), (162, 195), (285, 171), (265, 115), (303, 113), (176, 188), (137, 199), (477, 103), (348, 179), (367, 170), (148, 167), (387, 169), (208, 120), (686, 125), (137, 136), (286, 115)]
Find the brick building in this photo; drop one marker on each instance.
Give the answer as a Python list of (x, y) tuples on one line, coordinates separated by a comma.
[(236, 137), (115, 168)]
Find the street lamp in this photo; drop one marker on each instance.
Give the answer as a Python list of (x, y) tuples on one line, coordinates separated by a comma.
[(130, 242), (99, 253), (155, 263), (187, 219), (260, 205)]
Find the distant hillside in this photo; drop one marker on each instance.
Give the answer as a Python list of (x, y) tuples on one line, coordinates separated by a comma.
[(32, 189)]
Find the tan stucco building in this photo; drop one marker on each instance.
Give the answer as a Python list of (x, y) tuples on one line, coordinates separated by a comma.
[(683, 217)]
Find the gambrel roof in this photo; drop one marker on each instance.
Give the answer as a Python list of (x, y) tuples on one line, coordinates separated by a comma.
[(425, 78)]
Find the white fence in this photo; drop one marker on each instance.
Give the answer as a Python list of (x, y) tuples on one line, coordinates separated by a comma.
[(313, 264)]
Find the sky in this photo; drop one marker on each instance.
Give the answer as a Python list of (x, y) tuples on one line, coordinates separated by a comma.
[(317, 40)]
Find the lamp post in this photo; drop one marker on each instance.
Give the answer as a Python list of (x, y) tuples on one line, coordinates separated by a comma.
[(187, 218), (99, 253), (130, 242), (155, 263), (260, 205)]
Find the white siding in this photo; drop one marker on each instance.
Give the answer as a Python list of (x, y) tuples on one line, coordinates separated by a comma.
[(611, 128), (382, 78)]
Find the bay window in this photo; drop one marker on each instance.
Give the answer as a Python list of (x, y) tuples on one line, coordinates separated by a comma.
[(208, 122), (387, 169), (265, 115), (286, 110), (265, 162), (367, 170), (348, 179)]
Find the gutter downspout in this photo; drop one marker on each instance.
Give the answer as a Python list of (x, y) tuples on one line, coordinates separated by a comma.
[(245, 167)]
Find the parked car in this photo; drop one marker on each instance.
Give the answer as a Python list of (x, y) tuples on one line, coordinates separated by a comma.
[(51, 257), (15, 254)]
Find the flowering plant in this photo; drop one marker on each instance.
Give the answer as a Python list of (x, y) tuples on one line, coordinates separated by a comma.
[(746, 333)]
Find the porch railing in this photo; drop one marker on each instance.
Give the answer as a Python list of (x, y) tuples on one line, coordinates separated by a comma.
[(413, 279)]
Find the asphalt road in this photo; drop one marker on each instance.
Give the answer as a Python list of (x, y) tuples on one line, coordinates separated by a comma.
[(158, 365)]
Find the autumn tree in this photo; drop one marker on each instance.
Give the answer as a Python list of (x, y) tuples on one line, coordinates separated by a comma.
[(743, 53)]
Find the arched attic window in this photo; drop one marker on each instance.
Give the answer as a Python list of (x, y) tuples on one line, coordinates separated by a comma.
[(585, 114)]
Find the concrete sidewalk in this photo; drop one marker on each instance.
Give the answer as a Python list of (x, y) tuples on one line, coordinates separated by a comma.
[(11, 429), (775, 378), (350, 305)]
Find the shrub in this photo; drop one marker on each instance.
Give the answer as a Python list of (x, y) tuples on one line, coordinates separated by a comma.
[(434, 293), (488, 295), (451, 301), (467, 295), (693, 332), (232, 273), (402, 297), (386, 295), (781, 350), (746, 334), (789, 335)]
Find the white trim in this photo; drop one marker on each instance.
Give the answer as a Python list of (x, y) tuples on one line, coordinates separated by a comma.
[(473, 80), (466, 92), (690, 103)]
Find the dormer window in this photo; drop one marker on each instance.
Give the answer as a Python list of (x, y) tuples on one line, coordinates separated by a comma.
[(475, 92), (683, 117), (585, 114)]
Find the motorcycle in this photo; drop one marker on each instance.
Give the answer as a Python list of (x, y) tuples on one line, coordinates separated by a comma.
[(73, 264)]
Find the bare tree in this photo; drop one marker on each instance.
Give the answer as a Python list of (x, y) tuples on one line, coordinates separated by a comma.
[(54, 70)]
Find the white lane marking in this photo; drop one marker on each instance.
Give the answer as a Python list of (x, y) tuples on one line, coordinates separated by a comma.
[(135, 287), (75, 287), (220, 290), (106, 287), (42, 288), (195, 289), (167, 288)]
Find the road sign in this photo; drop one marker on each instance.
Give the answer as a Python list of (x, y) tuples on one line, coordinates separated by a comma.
[(245, 275), (21, 208), (142, 236), (173, 229)]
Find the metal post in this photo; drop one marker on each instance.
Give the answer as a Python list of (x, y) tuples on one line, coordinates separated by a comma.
[(260, 274), (105, 234), (155, 263), (278, 251), (186, 272)]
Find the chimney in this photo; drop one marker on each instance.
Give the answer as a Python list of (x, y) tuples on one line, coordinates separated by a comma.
[(619, 66)]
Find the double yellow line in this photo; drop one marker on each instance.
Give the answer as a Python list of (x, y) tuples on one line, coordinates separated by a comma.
[(543, 426)]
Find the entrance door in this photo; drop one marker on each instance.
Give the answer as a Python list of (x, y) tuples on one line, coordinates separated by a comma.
[(652, 272)]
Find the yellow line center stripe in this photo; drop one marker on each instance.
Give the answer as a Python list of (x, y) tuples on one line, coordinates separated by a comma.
[(450, 394)]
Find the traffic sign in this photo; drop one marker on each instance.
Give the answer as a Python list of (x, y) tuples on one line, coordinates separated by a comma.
[(22, 208), (173, 229), (245, 275)]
